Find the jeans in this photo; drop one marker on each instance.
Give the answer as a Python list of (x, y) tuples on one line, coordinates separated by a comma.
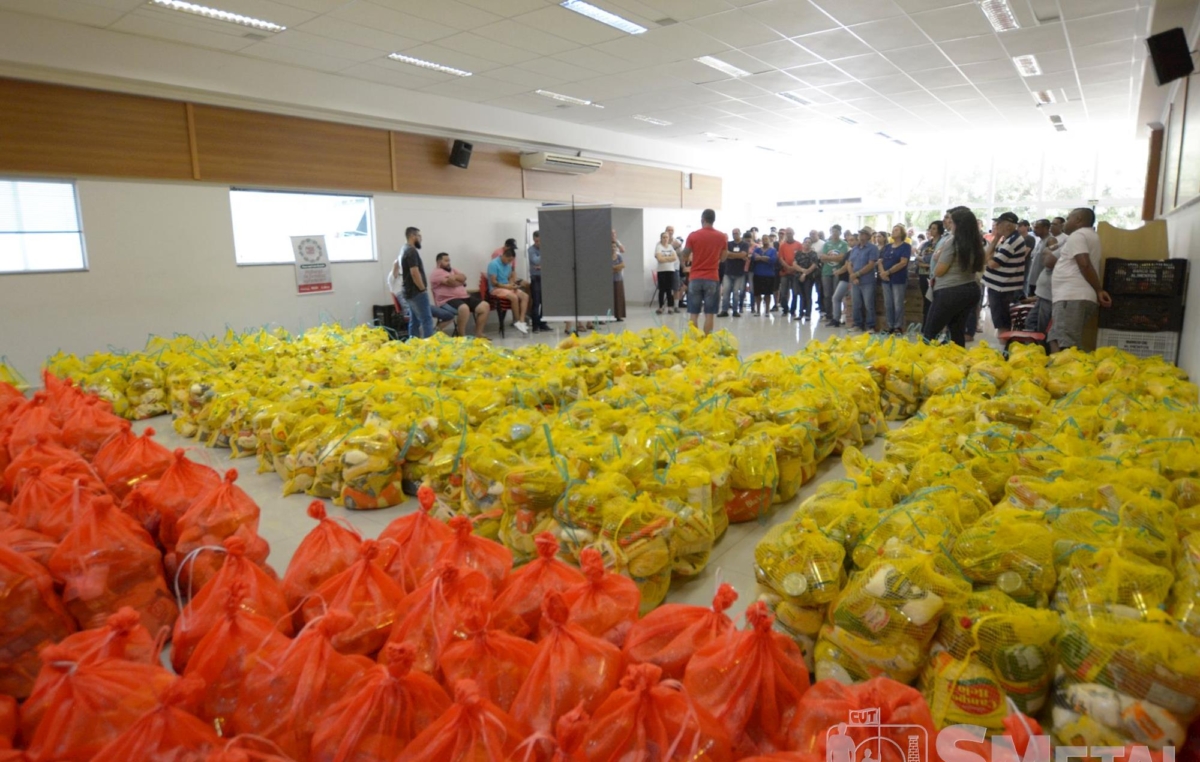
[(535, 299), (952, 307), (733, 291), (444, 313), (789, 285), (805, 287), (864, 304), (999, 302), (893, 304), (924, 279), (702, 295), (421, 308), (829, 287), (839, 296)]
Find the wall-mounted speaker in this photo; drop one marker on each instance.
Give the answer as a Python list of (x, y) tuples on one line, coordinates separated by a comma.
[(1171, 54), (460, 154)]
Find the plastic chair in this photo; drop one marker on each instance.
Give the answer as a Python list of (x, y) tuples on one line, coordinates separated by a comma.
[(498, 305)]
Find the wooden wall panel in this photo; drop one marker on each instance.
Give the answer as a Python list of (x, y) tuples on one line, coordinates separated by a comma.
[(640, 186), (422, 166), (704, 194), (51, 129), (600, 187), (253, 148)]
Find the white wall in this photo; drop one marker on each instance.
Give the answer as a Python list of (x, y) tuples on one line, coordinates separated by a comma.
[(628, 224), (161, 261), (1183, 230)]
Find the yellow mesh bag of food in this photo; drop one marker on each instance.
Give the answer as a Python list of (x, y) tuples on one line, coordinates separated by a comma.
[(445, 478), (484, 465), (914, 526), (371, 470), (716, 459), (989, 649), (686, 490), (298, 468), (635, 541), (839, 517), (801, 563), (1014, 410), (1108, 580), (754, 477), (1184, 604), (941, 378), (1012, 550)]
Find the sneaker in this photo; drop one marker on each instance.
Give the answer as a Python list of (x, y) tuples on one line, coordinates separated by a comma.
[(658, 311), (544, 327), (775, 308), (522, 327), (736, 314), (722, 314)]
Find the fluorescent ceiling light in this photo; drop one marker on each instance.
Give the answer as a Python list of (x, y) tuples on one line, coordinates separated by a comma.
[(722, 67), (1044, 97), (428, 65), (794, 99), (715, 136), (1000, 14), (651, 120), (603, 16), (1028, 66), (219, 15), (899, 142), (1060, 127), (884, 135), (847, 120), (566, 98)]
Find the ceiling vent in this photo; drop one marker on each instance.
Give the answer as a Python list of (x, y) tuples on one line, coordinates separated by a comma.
[(666, 22), (564, 164), (254, 36)]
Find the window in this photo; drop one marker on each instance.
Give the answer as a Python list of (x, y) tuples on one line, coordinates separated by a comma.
[(265, 221), (39, 227)]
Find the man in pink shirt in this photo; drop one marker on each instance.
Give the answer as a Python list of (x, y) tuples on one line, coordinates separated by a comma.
[(452, 301)]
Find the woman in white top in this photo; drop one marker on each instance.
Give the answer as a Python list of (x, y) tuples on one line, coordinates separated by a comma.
[(668, 264)]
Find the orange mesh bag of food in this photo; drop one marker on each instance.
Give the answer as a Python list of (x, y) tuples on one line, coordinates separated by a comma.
[(170, 496), (227, 652), (752, 680), (260, 595), (82, 706), (328, 549), (33, 545), (50, 459), (822, 730), (114, 448), (496, 660), (605, 604), (143, 459), (381, 714), (108, 561), (284, 694), (31, 617), (91, 425), (473, 729), (671, 635), (121, 637), (365, 592), (526, 587), (33, 422), (647, 716), (8, 722), (572, 668), (488, 557), (55, 518), (223, 511), (432, 613), (566, 745), (420, 537), (248, 748), (169, 732)]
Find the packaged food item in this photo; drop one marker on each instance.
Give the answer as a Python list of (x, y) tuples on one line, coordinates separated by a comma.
[(526, 587), (670, 636), (89, 426), (1109, 580), (800, 563), (430, 615), (121, 637), (473, 729), (490, 558), (754, 477), (365, 592), (497, 661), (143, 459), (223, 511), (168, 731), (635, 541), (606, 604), (170, 495), (371, 474), (33, 618), (420, 538), (328, 549), (1012, 550)]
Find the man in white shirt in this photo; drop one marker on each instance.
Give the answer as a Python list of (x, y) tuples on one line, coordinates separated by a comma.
[(1077, 291)]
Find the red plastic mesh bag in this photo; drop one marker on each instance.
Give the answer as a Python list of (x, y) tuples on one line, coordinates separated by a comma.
[(430, 614), (828, 704), (31, 617), (170, 496), (33, 421), (221, 512), (420, 537), (366, 593), (752, 680), (671, 635), (81, 706), (260, 594), (121, 637), (62, 396), (33, 545), (572, 668), (227, 652), (383, 712), (473, 729), (50, 457), (8, 721), (55, 518), (645, 716), (490, 558), (248, 748), (606, 604), (90, 425), (168, 732), (285, 694), (566, 745), (327, 550), (145, 459), (108, 561), (497, 661), (527, 586), (114, 448)]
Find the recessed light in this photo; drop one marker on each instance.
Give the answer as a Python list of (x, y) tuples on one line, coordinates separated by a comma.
[(1028, 66), (899, 142), (884, 135), (219, 15), (1000, 14), (794, 99), (1056, 118), (722, 67), (566, 98), (603, 16), (847, 120), (428, 65), (1060, 127), (1044, 97), (651, 120)]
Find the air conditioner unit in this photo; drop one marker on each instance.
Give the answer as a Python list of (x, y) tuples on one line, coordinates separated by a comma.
[(561, 163)]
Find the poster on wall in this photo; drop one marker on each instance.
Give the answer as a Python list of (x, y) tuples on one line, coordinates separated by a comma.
[(313, 275)]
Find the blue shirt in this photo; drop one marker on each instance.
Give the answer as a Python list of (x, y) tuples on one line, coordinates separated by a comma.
[(891, 257), (860, 257), (766, 269), (500, 271), (535, 260)]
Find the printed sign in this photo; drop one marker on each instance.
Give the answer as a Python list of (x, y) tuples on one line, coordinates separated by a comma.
[(313, 275)]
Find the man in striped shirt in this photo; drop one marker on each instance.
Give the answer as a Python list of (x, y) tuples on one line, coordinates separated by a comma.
[(1004, 275)]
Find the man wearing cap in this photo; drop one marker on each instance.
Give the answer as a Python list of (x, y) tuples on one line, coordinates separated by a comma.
[(863, 259), (1004, 273)]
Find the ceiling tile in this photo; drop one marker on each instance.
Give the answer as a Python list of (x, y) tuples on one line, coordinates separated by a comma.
[(1095, 74), (848, 91), (953, 23), (1055, 61), (897, 83), (916, 6), (774, 81), (517, 35), (296, 57), (1051, 81), (517, 76), (1074, 9), (932, 78), (956, 93), (975, 50), (860, 11), (817, 75), (680, 10), (572, 26), (1106, 90), (889, 34), (337, 29), (480, 46), (449, 13), (75, 12), (782, 54), (152, 26), (1034, 40), (388, 20), (409, 78), (663, 45), (990, 71), (791, 17), (815, 96), (507, 8), (745, 62), (913, 100), (558, 69), (1097, 29), (295, 38), (736, 29), (833, 44), (918, 58), (479, 87), (447, 57), (1010, 86), (735, 88), (1106, 53), (870, 65), (594, 60)]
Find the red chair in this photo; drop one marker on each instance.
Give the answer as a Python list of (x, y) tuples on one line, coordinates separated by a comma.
[(498, 305)]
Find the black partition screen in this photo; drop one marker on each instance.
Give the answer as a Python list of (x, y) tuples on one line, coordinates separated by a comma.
[(576, 262)]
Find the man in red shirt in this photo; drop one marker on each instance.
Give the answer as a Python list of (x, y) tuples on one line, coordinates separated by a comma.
[(790, 273), (706, 247)]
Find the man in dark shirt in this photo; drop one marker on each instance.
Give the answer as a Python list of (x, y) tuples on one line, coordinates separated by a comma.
[(411, 270), (1004, 274), (733, 287)]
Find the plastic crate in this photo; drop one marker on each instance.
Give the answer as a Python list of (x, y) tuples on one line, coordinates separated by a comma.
[(1164, 344), (1134, 278), (1143, 313)]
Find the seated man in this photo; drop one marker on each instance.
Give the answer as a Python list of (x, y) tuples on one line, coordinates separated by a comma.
[(503, 284), (451, 301)]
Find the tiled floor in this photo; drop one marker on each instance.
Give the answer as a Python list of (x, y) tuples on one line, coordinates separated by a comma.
[(284, 521)]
